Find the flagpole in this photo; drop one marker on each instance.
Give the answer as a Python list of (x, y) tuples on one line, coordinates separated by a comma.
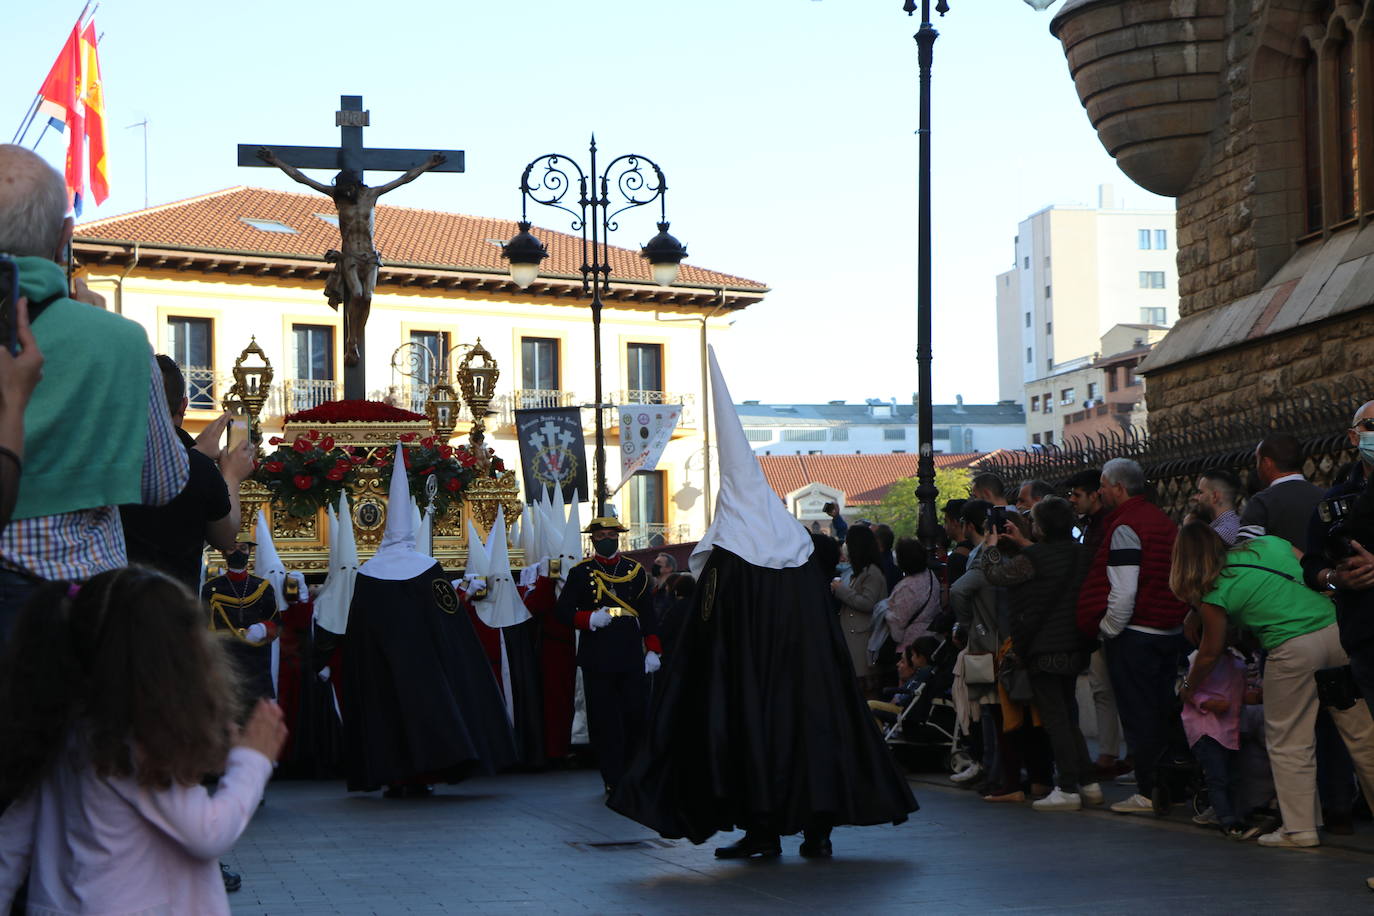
[(27, 121)]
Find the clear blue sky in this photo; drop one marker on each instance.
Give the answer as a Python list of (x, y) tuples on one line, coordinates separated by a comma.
[(786, 129)]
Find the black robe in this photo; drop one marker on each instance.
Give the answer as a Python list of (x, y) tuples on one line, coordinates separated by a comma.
[(420, 703), (759, 719)]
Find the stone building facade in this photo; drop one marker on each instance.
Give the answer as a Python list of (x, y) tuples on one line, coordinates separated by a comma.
[(1256, 115)]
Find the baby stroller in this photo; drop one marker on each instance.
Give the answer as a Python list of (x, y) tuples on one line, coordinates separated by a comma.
[(927, 725)]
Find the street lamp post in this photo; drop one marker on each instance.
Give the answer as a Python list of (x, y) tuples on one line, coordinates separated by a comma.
[(927, 528), (636, 181)]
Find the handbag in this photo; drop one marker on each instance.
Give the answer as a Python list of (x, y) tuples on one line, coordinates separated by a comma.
[(1336, 687), (1016, 682), (978, 669)]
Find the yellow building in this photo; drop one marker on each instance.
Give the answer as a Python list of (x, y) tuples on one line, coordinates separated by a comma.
[(206, 275)]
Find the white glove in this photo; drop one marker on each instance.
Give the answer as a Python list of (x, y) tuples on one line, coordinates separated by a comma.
[(323, 673), (651, 662), (600, 618), (256, 633), (529, 576)]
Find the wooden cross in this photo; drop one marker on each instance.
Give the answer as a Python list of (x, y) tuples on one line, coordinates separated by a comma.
[(357, 264), (350, 153)]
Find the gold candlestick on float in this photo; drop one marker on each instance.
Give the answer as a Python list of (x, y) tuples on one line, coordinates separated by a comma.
[(478, 384), (252, 382)]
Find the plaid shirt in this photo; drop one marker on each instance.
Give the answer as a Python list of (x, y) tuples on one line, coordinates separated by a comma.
[(79, 545), (1227, 524)]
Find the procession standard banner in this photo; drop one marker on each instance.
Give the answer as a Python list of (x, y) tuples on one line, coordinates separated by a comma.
[(644, 432), (553, 452)]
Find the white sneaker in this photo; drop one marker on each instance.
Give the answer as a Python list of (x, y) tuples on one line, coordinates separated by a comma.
[(1291, 840), (1092, 793), (1059, 800), (967, 774), (1136, 804), (1126, 779)]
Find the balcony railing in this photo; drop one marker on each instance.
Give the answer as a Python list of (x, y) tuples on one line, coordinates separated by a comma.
[(687, 402), (295, 394), (200, 387), (505, 405), (653, 534)]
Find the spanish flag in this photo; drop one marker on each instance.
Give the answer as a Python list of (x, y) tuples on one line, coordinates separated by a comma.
[(62, 102), (94, 99)]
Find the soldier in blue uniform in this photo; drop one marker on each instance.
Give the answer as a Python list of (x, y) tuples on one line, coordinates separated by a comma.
[(608, 599)]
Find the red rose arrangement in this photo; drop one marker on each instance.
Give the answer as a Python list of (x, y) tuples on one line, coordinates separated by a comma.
[(355, 411), (454, 468), (305, 475)]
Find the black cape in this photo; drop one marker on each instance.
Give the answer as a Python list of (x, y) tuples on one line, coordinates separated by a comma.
[(420, 701), (759, 718)]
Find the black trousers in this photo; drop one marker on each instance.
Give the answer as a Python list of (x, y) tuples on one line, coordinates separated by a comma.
[(617, 714), (1058, 705), (1143, 668)]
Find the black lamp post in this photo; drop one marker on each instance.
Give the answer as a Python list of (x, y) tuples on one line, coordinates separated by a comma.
[(636, 181), (927, 527)]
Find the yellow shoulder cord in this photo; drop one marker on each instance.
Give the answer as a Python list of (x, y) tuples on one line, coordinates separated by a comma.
[(220, 603), (603, 582)]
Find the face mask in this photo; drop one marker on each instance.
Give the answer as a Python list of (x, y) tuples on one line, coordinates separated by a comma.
[(1367, 447), (658, 570), (606, 547), (238, 560)]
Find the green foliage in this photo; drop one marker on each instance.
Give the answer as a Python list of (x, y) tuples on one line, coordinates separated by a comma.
[(899, 508)]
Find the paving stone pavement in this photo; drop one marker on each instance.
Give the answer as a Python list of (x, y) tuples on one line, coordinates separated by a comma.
[(526, 843)]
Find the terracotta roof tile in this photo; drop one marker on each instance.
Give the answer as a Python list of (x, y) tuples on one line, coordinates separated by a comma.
[(864, 479), (403, 235)]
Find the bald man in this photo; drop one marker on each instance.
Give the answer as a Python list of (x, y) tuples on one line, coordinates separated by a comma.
[(97, 430), (1341, 563)]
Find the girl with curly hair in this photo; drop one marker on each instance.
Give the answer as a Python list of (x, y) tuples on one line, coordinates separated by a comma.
[(115, 703)]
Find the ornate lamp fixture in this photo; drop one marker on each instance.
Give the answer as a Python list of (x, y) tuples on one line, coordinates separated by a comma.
[(478, 385), (442, 406), (629, 181), (252, 384)]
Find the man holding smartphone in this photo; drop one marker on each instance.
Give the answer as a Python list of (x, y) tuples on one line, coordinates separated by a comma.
[(97, 432), (173, 537)]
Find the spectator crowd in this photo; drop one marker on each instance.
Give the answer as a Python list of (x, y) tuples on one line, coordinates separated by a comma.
[(1229, 660)]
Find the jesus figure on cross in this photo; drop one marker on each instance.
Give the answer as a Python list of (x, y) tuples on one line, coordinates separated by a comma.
[(356, 265)]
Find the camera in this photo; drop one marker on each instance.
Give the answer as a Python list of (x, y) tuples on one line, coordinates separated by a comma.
[(1348, 518)]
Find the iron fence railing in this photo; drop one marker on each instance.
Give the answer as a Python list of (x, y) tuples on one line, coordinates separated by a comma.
[(1182, 444), (504, 406)]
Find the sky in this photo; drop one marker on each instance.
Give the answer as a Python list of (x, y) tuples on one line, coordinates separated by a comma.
[(785, 129)]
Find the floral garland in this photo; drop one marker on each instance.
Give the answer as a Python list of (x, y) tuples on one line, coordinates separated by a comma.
[(454, 468), (310, 473)]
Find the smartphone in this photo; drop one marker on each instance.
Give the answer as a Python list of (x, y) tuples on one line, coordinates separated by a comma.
[(997, 517), (9, 302), (236, 432)]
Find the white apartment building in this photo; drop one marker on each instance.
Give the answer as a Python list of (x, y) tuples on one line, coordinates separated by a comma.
[(879, 427), (1079, 272)]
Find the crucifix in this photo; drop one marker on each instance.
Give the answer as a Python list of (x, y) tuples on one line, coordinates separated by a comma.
[(357, 261)]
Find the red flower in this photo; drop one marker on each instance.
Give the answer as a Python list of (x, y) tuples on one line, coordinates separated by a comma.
[(303, 481), (445, 451), (302, 444), (358, 459), (427, 442), (275, 440), (453, 485), (314, 434), (497, 464), (274, 467), (409, 437), (466, 460), (428, 470), (336, 474), (327, 443)]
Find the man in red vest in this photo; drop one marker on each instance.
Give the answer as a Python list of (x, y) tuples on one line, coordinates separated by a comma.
[(1125, 601)]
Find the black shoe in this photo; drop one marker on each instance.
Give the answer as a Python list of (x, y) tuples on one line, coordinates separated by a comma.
[(232, 880), (816, 849), (748, 846), (1338, 821)]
